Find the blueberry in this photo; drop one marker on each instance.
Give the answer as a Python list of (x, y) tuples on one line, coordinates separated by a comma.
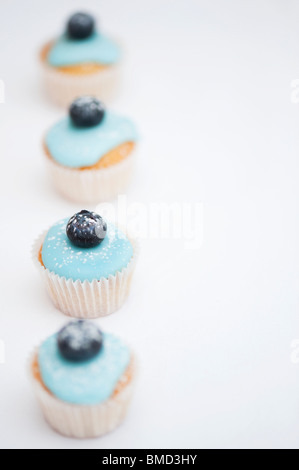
[(87, 112), (86, 229), (80, 26), (80, 341)]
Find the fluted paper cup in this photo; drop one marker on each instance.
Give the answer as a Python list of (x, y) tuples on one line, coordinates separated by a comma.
[(63, 88), (94, 185), (84, 422), (87, 300)]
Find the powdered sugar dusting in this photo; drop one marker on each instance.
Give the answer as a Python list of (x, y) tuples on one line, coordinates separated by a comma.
[(71, 262)]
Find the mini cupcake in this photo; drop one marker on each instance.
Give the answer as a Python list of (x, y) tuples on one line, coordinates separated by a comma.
[(87, 265), (90, 153), (83, 380), (81, 61)]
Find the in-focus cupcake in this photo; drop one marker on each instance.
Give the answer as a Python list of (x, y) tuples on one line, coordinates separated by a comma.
[(90, 153), (81, 61), (87, 265), (83, 380)]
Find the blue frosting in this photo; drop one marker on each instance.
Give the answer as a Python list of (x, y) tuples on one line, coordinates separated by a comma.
[(61, 257), (87, 383), (96, 49), (77, 147)]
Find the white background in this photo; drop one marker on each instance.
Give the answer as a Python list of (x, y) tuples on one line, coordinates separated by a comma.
[(209, 84)]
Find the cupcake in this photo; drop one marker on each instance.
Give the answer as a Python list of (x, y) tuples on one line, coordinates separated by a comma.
[(87, 265), (90, 153), (83, 380), (81, 61)]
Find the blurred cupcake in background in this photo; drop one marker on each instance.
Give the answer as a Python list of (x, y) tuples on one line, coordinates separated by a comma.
[(83, 380), (90, 153), (81, 61)]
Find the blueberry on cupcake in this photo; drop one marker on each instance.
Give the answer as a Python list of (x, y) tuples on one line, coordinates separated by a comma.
[(90, 153), (82, 60), (87, 265), (83, 380)]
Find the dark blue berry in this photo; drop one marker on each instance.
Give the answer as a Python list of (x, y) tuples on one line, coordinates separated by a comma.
[(87, 112), (86, 229), (80, 26), (80, 341)]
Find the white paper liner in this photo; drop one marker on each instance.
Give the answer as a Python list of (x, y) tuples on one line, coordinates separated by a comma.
[(95, 185), (62, 88), (83, 422), (87, 300)]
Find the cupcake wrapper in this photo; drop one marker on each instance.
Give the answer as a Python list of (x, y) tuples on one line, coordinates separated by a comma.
[(83, 422), (87, 300), (92, 186), (63, 88)]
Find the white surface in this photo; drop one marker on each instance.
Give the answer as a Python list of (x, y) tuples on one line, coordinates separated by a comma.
[(208, 82)]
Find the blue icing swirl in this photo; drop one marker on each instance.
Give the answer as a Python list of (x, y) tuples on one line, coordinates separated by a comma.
[(96, 49), (75, 147), (61, 257), (87, 383)]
